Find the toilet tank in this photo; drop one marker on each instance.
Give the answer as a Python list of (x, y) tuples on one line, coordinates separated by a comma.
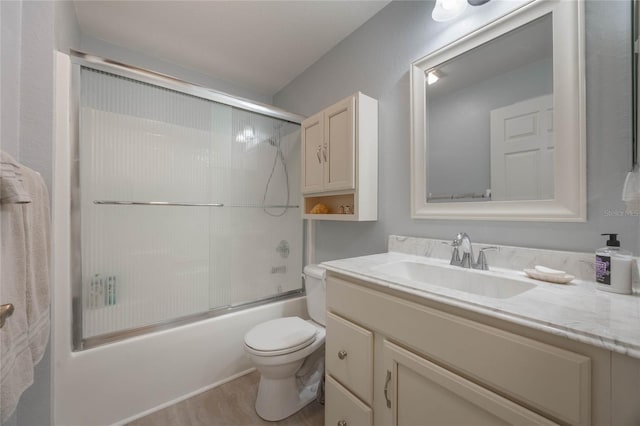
[(315, 285)]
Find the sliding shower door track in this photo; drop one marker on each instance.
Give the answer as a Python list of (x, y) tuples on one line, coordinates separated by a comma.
[(103, 339), (173, 83)]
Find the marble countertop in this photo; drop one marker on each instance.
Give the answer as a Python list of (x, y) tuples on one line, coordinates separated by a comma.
[(576, 311)]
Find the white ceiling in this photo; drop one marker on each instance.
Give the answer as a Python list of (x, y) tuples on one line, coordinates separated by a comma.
[(260, 45)]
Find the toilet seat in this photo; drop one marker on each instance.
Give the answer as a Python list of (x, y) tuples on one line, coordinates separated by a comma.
[(280, 336)]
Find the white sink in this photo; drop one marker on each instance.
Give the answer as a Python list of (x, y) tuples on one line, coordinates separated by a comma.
[(483, 283)]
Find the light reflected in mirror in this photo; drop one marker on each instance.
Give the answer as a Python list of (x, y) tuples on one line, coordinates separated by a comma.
[(490, 120)]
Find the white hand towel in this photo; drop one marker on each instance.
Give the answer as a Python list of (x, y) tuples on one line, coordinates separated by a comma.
[(11, 181), (37, 222), (631, 191), (16, 360), (24, 281)]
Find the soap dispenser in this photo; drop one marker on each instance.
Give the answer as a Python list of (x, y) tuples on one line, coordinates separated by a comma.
[(613, 267)]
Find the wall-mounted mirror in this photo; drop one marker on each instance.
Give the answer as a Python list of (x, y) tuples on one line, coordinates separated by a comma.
[(498, 120)]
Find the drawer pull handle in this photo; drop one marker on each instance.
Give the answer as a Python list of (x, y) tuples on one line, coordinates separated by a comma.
[(324, 152), (386, 389), (342, 354), (342, 423), (318, 154)]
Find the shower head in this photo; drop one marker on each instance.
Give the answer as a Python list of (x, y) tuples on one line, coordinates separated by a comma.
[(271, 141)]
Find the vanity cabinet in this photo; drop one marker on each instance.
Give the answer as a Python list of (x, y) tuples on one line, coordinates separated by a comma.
[(433, 367), (340, 160)]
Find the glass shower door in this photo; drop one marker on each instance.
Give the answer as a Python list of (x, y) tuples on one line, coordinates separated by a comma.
[(177, 196)]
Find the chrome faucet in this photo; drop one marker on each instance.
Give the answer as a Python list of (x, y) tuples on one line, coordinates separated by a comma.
[(462, 242)]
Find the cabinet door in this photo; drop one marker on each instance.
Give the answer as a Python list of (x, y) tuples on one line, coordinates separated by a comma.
[(420, 392), (312, 131), (338, 149)]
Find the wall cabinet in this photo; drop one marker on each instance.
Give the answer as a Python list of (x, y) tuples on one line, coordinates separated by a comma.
[(430, 366), (340, 160)]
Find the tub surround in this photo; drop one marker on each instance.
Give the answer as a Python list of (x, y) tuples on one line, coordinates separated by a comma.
[(576, 311)]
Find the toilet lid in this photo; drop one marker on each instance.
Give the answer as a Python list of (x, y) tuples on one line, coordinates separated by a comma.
[(279, 334)]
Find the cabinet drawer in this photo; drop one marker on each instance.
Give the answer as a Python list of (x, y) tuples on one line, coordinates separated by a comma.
[(550, 379), (349, 356), (344, 409)]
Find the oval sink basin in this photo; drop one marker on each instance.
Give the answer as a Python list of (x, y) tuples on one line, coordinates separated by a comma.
[(482, 283)]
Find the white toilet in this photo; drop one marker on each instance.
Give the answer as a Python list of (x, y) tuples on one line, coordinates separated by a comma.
[(289, 354)]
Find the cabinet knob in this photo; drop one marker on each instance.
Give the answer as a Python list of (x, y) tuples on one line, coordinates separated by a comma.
[(342, 423), (342, 355)]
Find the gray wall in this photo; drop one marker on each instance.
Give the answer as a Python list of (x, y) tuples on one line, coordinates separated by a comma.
[(67, 32), (375, 59), (27, 83)]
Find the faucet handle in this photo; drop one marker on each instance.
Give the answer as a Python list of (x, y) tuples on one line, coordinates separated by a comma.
[(455, 243), (455, 254), (482, 258), (455, 257)]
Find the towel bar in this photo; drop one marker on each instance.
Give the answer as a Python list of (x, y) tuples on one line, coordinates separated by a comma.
[(170, 203), (156, 203)]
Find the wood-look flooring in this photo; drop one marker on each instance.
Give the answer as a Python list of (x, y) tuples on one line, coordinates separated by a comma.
[(231, 404)]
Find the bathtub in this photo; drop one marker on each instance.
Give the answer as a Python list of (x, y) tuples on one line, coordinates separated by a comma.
[(118, 382)]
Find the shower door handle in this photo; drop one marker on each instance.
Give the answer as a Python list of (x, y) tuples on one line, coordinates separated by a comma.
[(5, 312), (318, 154)]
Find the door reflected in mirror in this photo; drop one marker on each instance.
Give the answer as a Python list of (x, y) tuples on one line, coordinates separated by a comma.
[(490, 114)]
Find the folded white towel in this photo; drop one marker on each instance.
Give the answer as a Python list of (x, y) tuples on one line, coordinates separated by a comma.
[(631, 191), (12, 190), (24, 273), (37, 222), (16, 360)]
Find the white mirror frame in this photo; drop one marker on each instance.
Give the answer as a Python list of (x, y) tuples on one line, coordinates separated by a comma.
[(570, 180)]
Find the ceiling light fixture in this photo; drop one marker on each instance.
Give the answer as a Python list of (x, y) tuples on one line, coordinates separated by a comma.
[(432, 77), (445, 10)]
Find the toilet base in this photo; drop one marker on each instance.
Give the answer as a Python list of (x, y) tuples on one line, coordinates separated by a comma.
[(279, 398)]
